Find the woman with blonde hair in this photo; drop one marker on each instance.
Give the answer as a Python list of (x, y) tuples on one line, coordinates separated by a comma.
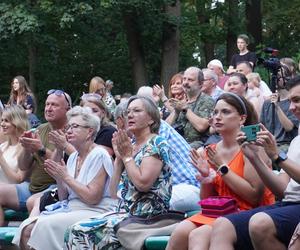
[(13, 124), (98, 86)]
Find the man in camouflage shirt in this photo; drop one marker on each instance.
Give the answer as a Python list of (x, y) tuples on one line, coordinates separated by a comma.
[(191, 116)]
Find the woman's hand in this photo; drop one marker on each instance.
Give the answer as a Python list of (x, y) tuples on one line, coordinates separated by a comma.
[(58, 138), (214, 157), (57, 170), (159, 91), (114, 145), (123, 142), (199, 162)]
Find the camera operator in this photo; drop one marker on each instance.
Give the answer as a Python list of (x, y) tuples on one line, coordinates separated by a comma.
[(275, 114)]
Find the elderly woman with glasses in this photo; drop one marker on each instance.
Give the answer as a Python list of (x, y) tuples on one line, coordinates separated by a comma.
[(103, 137), (145, 175), (82, 185), (99, 108)]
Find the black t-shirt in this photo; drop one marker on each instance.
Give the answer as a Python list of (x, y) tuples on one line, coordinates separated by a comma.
[(104, 136), (249, 57)]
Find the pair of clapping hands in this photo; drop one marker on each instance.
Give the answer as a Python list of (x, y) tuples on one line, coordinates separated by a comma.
[(31, 141), (122, 145), (178, 105), (264, 138)]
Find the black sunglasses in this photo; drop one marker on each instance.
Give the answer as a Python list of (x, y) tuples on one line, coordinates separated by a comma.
[(59, 92)]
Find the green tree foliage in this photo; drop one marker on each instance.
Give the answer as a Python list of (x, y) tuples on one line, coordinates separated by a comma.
[(62, 44)]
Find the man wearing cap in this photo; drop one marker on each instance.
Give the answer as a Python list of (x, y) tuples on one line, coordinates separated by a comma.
[(38, 147), (217, 67)]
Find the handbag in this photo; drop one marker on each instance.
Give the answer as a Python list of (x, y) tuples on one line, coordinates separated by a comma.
[(48, 198), (133, 231), (215, 206)]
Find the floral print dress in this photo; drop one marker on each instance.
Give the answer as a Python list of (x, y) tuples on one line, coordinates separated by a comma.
[(98, 232)]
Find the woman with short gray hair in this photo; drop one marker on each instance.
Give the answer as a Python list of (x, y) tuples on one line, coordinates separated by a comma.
[(145, 173), (83, 185)]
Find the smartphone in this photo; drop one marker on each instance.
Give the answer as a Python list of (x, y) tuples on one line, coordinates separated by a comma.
[(29, 133), (251, 131)]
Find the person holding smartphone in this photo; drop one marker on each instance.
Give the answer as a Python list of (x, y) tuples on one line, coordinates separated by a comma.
[(224, 170)]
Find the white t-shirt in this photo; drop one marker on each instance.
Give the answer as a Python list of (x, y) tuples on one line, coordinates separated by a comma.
[(10, 154), (264, 88), (92, 164), (292, 191)]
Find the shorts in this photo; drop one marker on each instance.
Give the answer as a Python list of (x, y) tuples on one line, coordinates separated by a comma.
[(285, 215), (24, 193)]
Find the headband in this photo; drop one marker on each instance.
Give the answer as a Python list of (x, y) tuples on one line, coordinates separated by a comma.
[(238, 98)]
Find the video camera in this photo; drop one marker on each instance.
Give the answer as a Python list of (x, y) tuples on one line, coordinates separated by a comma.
[(272, 64)]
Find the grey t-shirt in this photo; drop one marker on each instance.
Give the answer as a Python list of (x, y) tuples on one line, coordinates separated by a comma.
[(273, 124)]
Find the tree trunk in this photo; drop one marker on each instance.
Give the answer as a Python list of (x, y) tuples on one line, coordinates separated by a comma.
[(203, 16), (32, 58), (170, 44), (231, 36), (254, 24), (136, 54)]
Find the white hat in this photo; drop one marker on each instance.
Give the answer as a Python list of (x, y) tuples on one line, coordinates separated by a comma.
[(217, 63)]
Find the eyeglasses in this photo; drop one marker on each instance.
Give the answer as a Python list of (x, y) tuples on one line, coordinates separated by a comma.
[(207, 79), (75, 126), (59, 92), (133, 111), (87, 96)]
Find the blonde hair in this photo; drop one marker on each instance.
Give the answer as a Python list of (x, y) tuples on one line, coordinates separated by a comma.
[(255, 78), (17, 116), (95, 84)]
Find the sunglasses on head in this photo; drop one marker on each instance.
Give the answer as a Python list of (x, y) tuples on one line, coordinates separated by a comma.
[(59, 92)]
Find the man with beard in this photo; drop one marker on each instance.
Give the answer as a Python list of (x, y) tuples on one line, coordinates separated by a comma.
[(192, 115)]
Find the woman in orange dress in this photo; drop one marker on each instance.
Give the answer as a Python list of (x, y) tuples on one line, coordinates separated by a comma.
[(223, 171)]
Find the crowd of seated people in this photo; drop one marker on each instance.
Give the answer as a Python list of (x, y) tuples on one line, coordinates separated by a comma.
[(106, 161)]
